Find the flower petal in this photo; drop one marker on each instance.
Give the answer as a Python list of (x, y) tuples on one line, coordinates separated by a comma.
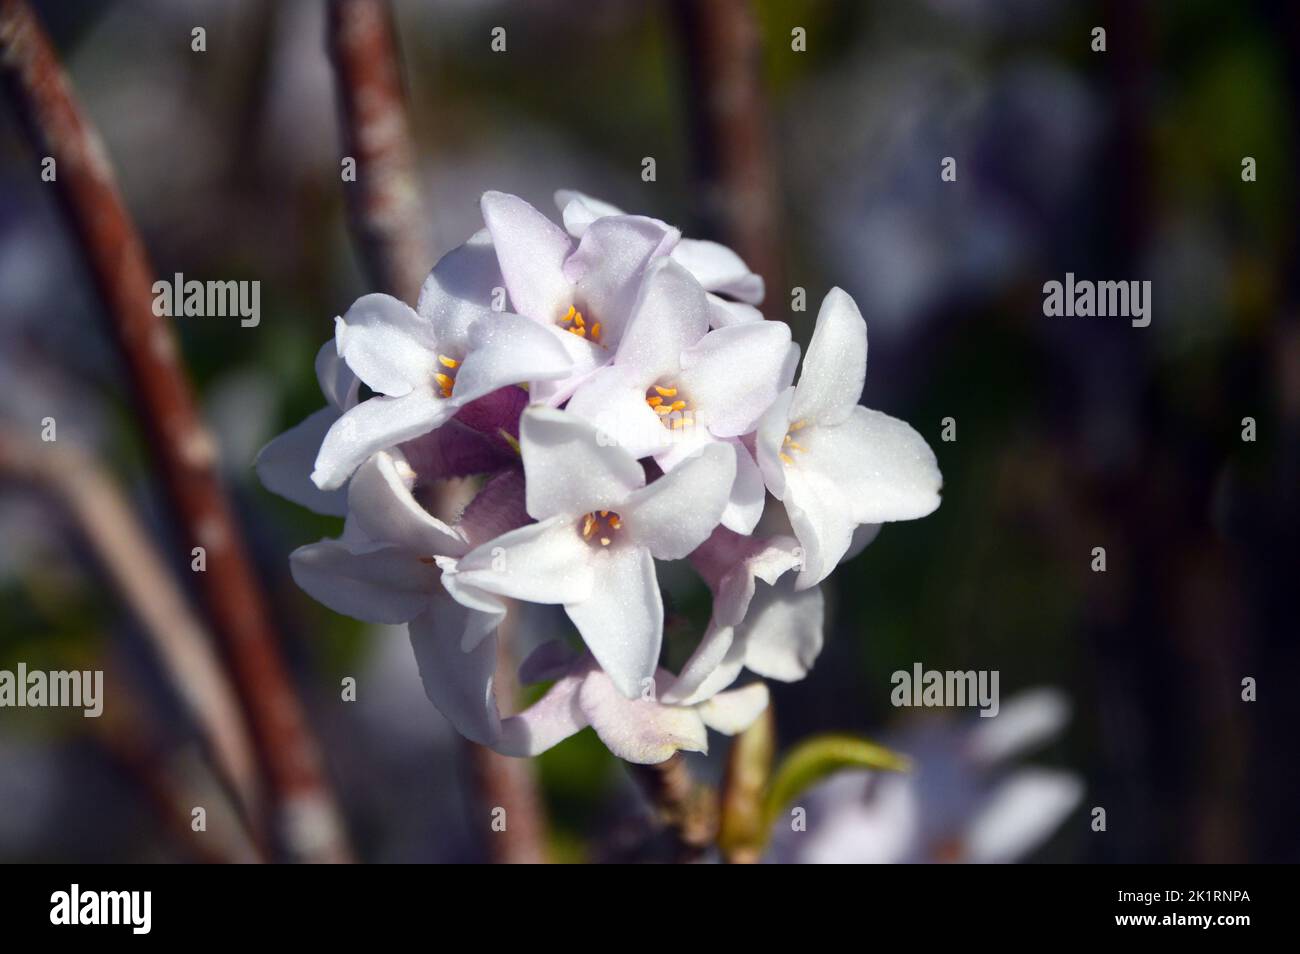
[(782, 631), (1021, 814), (496, 509), (547, 722), (724, 314), (745, 504), (387, 345), (820, 516), (586, 357), (372, 426), (381, 506), (458, 683), (670, 314), (531, 250), (545, 562), (284, 465), (835, 367), (337, 382), (505, 350), (768, 440), (384, 585), (734, 712), (454, 450), (622, 617), (614, 403), (733, 375), (553, 659), (715, 664), (608, 267), (579, 210), (460, 290), (569, 471), (1026, 720), (719, 269), (639, 730), (883, 469), (676, 513)]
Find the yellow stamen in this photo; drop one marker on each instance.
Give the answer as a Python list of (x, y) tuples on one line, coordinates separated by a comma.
[(595, 331), (680, 422), (588, 526), (794, 446), (447, 362), (615, 522), (797, 425), (580, 332), (605, 541), (679, 405), (577, 319), (445, 382), (665, 392), (654, 401), (663, 410), (787, 458)]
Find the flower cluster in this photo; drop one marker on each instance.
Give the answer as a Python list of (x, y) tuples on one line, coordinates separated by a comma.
[(621, 400)]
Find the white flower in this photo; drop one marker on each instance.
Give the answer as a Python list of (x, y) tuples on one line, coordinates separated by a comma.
[(759, 621), (581, 292), (284, 464), (599, 528), (641, 729), (424, 364), (960, 802), (671, 388), (383, 569), (718, 269), (835, 464)]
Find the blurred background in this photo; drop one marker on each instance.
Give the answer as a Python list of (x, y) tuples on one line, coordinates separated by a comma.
[(1070, 434)]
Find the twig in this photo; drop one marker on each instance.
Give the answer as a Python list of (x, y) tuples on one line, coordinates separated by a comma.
[(388, 220), (749, 766), (384, 202), (184, 453), (729, 129), (122, 546), (689, 811), (173, 782)]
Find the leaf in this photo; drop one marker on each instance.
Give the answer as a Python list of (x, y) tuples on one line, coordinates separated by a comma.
[(823, 755)]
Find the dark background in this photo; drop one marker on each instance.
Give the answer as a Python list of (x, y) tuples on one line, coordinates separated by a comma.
[(1071, 433)]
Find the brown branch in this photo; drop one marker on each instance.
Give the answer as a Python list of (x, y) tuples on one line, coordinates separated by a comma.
[(175, 783), (388, 220), (384, 202), (184, 453), (729, 130), (122, 547), (689, 811)]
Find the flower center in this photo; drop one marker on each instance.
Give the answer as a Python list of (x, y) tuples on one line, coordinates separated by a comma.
[(790, 445), (575, 324), (446, 378), (601, 527), (673, 409)]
